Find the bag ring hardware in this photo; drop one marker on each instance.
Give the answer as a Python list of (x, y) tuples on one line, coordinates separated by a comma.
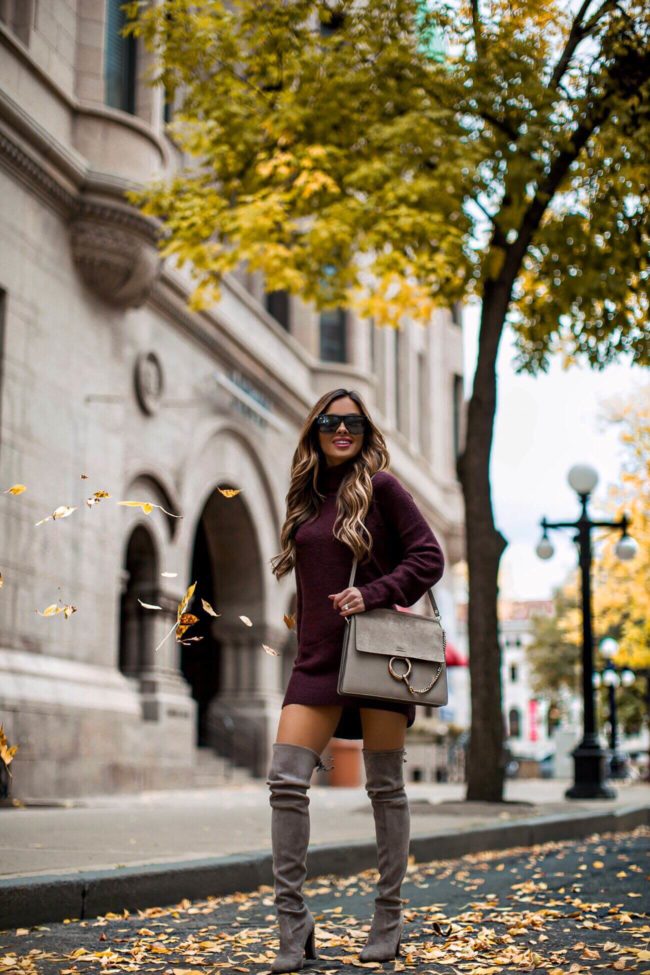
[(394, 673), (403, 677)]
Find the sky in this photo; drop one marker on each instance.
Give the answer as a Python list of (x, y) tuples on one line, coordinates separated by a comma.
[(544, 425)]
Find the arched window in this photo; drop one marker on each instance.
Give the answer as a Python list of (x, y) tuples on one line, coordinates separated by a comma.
[(119, 60), (514, 723), (136, 623)]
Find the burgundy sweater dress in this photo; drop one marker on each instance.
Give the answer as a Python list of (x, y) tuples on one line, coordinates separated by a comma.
[(407, 560)]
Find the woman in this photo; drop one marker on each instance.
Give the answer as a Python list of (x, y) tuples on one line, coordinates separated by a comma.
[(343, 502)]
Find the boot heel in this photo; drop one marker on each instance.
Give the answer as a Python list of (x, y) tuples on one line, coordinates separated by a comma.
[(310, 946), (398, 950)]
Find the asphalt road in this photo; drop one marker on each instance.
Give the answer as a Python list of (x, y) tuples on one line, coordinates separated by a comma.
[(561, 908)]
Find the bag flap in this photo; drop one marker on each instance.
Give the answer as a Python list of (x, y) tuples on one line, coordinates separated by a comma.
[(395, 634)]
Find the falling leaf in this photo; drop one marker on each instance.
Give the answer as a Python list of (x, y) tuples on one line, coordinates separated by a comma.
[(52, 610), (147, 507), (148, 605), (96, 498), (63, 511), (16, 489), (229, 492), (169, 575), (185, 601), (270, 651), (7, 752), (188, 619), (190, 639), (246, 620), (290, 621), (84, 477), (208, 608)]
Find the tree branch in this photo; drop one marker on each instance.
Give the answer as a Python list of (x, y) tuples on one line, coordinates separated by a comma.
[(476, 22), (548, 188), (574, 38), (499, 124)]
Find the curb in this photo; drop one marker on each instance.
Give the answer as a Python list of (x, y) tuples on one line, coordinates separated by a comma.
[(26, 901)]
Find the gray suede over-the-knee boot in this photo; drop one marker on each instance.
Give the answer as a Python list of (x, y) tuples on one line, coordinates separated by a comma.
[(289, 779), (385, 787)]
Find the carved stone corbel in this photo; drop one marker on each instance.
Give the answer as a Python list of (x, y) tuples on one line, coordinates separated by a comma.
[(115, 252)]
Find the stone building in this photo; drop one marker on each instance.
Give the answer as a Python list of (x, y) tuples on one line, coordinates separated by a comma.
[(109, 383)]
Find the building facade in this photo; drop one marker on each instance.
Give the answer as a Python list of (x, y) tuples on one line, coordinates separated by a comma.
[(109, 383)]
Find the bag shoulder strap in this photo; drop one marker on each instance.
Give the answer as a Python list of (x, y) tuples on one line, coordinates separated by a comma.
[(432, 598)]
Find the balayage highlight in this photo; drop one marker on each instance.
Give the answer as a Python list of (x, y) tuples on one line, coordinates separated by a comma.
[(354, 494)]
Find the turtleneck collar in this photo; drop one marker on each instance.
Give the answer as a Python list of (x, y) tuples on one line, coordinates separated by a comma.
[(331, 477)]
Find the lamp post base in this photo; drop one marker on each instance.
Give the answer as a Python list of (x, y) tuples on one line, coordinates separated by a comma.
[(589, 774), (618, 766)]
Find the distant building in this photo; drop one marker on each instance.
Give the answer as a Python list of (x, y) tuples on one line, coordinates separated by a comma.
[(525, 713), (105, 372)]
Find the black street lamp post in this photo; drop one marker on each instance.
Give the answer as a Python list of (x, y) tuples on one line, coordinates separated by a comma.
[(611, 677), (589, 758)]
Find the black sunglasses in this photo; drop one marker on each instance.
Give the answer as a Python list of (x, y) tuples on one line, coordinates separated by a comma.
[(330, 422)]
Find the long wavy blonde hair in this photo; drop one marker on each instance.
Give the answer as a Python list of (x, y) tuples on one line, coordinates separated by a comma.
[(354, 494)]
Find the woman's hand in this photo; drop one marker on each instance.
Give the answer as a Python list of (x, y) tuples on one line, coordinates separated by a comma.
[(348, 601)]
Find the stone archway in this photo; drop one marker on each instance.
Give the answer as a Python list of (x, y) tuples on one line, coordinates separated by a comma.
[(227, 569)]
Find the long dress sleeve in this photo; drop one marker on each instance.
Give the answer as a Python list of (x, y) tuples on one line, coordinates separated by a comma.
[(422, 562), (298, 604)]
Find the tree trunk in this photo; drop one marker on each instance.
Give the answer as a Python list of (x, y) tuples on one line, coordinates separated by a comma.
[(485, 545)]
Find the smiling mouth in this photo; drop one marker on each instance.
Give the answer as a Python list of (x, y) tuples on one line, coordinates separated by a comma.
[(342, 443)]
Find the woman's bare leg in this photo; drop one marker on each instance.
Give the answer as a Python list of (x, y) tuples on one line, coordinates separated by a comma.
[(311, 726), (383, 730)]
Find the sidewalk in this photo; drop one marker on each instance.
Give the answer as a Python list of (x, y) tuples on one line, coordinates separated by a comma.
[(103, 853)]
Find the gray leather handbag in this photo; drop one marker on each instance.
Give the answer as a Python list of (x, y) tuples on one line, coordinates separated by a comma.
[(394, 656)]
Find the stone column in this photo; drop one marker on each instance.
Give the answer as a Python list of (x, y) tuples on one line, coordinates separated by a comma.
[(243, 717), (164, 691)]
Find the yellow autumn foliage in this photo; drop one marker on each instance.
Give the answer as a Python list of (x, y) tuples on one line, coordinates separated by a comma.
[(621, 590)]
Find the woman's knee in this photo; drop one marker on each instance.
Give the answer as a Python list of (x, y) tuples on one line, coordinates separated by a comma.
[(311, 726), (383, 730)]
